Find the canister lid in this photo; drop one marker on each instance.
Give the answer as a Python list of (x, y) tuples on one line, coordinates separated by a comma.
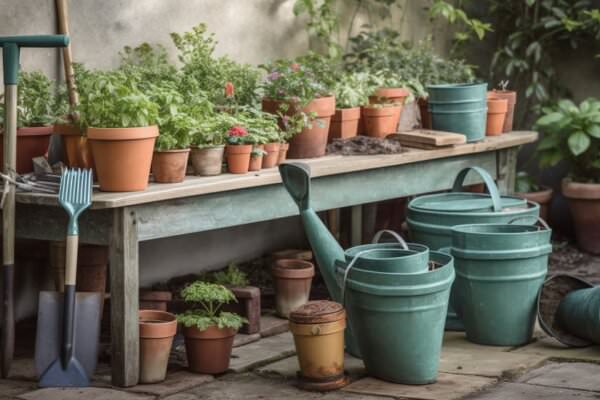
[(464, 202), (318, 312)]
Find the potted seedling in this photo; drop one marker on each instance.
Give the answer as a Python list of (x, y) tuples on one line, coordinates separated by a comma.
[(350, 95), (208, 331), (572, 133), (208, 144), (239, 147), (390, 94), (527, 188), (511, 98)]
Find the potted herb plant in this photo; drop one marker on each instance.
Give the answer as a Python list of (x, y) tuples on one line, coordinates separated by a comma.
[(527, 188), (350, 95), (256, 157), (572, 133), (238, 150), (208, 331), (208, 144), (266, 134), (303, 103)]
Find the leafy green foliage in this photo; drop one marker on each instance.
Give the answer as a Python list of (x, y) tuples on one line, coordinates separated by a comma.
[(322, 23), (572, 133), (209, 298), (231, 276), (524, 183), (456, 15), (352, 90)]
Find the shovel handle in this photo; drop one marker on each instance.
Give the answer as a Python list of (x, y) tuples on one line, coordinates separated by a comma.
[(69, 299)]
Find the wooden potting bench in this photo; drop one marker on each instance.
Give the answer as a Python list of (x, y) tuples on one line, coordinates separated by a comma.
[(122, 220)]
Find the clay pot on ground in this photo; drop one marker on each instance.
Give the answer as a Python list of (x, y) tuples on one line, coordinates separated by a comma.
[(511, 97), (283, 149), (424, 111), (391, 95), (238, 158), (123, 157), (169, 166), (271, 159), (157, 329), (496, 114), (31, 142), (584, 202), (379, 121), (295, 254), (155, 299), (292, 279), (344, 123), (247, 306), (208, 351), (207, 161), (542, 197), (311, 142), (256, 161)]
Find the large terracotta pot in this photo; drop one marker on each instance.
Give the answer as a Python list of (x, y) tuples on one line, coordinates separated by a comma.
[(311, 141), (344, 123), (207, 161), (391, 95), (208, 351), (511, 97), (496, 114), (123, 157), (424, 111), (379, 121), (157, 329), (272, 157), (31, 142), (543, 198), (584, 201), (292, 279), (169, 166), (238, 158)]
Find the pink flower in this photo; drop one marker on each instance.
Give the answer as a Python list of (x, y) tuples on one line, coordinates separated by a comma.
[(237, 130), (295, 66), (273, 76), (229, 89)]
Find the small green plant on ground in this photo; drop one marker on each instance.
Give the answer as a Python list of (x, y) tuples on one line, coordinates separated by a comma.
[(208, 298), (231, 276), (525, 183)]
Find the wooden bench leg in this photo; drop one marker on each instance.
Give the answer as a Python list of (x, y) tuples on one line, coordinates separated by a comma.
[(507, 170), (356, 221), (124, 298)]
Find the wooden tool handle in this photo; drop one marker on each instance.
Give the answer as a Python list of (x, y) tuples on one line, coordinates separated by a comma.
[(63, 27)]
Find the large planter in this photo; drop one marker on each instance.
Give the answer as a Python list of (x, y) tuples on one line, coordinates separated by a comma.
[(379, 121), (157, 329), (511, 97), (123, 157), (391, 95), (207, 161), (169, 166), (542, 197), (208, 351), (584, 202), (312, 140), (238, 158), (76, 148), (292, 279), (31, 142), (344, 123), (496, 114), (271, 159)]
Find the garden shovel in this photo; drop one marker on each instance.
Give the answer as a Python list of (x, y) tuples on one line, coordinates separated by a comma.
[(68, 328), (11, 46)]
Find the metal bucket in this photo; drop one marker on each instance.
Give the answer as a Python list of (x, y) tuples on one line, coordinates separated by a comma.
[(500, 269)]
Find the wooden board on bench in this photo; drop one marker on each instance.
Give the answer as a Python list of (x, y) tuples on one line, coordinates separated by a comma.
[(427, 139)]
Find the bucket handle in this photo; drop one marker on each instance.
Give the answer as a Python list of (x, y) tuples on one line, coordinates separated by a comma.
[(487, 179), (396, 236), (347, 271), (539, 220)]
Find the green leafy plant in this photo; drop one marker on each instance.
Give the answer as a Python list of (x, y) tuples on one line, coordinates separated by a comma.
[(469, 25), (150, 64), (261, 126), (238, 135), (352, 90), (231, 276), (208, 298), (525, 183), (572, 133)]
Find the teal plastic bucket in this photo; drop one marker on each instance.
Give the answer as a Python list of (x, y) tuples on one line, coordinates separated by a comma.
[(579, 313), (398, 322), (460, 108), (500, 269)]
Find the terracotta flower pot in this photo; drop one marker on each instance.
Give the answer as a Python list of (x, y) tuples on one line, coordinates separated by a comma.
[(31, 142), (272, 157), (238, 158), (543, 198), (154, 299), (292, 279), (424, 111), (71, 142), (169, 166), (511, 96), (295, 254), (379, 121), (123, 157), (391, 95), (496, 114), (157, 329), (208, 351), (311, 141), (344, 123), (283, 149), (207, 161), (584, 201), (256, 161)]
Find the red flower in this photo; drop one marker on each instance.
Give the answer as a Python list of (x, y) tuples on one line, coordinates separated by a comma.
[(229, 89), (237, 131), (295, 66)]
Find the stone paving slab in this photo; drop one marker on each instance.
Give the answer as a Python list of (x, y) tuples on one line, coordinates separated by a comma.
[(243, 339), (288, 367), (12, 388), (580, 376), (549, 347), (521, 391), (176, 382), (23, 369), (89, 393), (259, 353), (447, 387), (271, 325)]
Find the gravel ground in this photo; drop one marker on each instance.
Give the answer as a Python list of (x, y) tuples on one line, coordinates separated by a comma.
[(567, 258)]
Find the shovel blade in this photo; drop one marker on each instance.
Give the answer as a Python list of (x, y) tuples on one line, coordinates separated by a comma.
[(72, 376), (49, 338)]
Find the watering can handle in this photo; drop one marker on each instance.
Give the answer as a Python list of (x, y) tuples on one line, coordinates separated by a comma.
[(487, 179), (537, 219), (396, 236)]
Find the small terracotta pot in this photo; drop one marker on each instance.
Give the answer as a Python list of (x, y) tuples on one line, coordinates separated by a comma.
[(295, 254), (208, 351), (584, 202), (424, 111), (496, 114), (272, 157), (238, 158), (542, 197), (207, 161), (256, 161), (155, 299), (283, 149), (511, 96), (123, 157), (157, 329), (344, 123), (169, 166), (292, 279), (31, 142), (379, 121), (391, 95), (71, 142)]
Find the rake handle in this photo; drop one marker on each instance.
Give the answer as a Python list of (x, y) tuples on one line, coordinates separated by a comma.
[(69, 299)]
